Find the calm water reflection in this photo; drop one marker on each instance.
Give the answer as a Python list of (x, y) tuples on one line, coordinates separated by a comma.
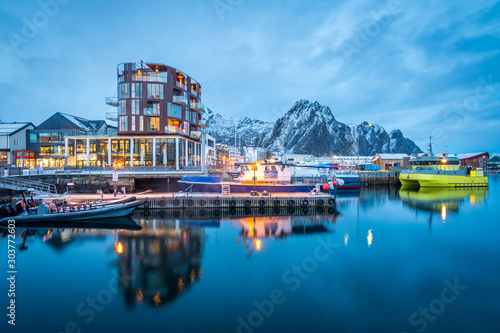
[(389, 260)]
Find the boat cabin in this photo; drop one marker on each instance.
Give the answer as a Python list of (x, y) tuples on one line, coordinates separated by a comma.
[(435, 163), (265, 173)]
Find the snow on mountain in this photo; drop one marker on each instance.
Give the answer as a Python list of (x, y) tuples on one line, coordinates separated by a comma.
[(309, 128)]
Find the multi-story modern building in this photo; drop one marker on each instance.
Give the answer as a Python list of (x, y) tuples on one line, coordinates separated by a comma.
[(159, 121)]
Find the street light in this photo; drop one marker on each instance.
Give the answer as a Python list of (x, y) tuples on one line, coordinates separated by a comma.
[(357, 133)]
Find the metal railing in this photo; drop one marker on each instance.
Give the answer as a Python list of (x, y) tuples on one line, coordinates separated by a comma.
[(20, 184), (112, 101)]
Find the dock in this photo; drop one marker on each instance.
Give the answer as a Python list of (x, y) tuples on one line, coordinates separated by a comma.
[(212, 201)]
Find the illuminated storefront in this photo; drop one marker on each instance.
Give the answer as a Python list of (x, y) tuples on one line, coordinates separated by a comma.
[(172, 151)]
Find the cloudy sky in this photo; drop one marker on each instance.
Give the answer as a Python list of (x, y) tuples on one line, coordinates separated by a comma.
[(423, 67)]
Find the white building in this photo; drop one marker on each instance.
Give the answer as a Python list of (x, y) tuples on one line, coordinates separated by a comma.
[(253, 154), (12, 139), (342, 160)]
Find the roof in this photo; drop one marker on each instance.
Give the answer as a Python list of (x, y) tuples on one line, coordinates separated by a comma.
[(12, 128), (82, 122), (470, 155), (494, 160), (391, 156)]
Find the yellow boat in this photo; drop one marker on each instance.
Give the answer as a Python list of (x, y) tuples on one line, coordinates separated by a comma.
[(441, 171)]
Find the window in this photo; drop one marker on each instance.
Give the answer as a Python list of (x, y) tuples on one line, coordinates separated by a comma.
[(135, 106), (133, 123), (122, 109), (141, 123), (16, 142), (174, 110), (136, 90), (155, 90), (153, 124), (123, 91), (123, 123), (193, 115), (187, 115), (33, 138)]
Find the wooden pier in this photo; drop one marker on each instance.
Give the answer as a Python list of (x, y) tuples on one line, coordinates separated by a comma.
[(212, 201)]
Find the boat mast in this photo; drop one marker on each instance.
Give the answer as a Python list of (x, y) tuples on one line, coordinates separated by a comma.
[(431, 153)]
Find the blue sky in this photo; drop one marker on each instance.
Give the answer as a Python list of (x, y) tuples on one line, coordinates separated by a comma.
[(426, 68)]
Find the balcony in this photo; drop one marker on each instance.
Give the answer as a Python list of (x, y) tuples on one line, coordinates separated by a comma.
[(180, 85), (172, 129), (151, 111), (113, 116), (181, 100), (203, 123), (112, 101), (196, 134), (193, 92), (197, 106)]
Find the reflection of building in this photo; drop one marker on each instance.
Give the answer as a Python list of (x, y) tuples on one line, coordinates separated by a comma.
[(13, 144), (157, 263)]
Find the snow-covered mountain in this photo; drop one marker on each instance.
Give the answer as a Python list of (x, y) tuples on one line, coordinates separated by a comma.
[(309, 128)]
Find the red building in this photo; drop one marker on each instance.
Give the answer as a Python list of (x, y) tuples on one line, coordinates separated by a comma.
[(476, 160)]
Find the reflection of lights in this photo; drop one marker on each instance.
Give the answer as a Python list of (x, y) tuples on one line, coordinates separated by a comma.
[(346, 239), (180, 285), (119, 248), (192, 275), (257, 244), (157, 299), (370, 237), (472, 199), (139, 296), (443, 212)]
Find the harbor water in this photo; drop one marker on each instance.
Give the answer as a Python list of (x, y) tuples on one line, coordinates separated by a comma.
[(388, 260)]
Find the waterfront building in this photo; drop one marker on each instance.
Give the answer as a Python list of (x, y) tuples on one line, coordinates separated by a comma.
[(222, 155), (47, 140), (494, 163), (253, 154), (13, 144), (475, 160), (389, 160), (159, 123)]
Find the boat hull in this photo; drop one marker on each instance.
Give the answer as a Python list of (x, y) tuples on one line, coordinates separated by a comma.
[(244, 188), (114, 211), (415, 179)]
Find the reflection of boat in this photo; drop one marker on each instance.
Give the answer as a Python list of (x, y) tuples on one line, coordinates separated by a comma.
[(42, 213), (280, 226), (434, 199), (270, 177), (125, 223), (441, 171)]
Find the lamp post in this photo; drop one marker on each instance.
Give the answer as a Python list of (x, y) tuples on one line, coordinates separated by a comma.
[(256, 164)]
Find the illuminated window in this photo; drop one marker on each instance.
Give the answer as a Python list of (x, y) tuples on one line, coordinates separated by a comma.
[(133, 124), (123, 123), (153, 124), (141, 123)]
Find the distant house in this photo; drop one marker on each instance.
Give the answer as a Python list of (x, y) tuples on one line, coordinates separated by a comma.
[(12, 140), (494, 163), (47, 139), (476, 160), (384, 161)]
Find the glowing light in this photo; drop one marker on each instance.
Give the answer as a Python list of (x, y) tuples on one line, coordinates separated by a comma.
[(346, 239), (443, 212), (370, 237), (119, 248), (257, 244), (119, 165), (139, 296), (445, 160), (157, 299), (180, 285)]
